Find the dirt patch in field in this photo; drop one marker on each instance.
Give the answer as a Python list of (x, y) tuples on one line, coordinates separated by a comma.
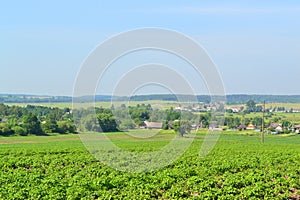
[(37, 139), (18, 142)]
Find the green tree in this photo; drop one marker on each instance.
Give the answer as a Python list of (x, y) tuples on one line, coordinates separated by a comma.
[(157, 115), (166, 125), (4, 130), (204, 120), (173, 114), (251, 106), (140, 113), (32, 124), (66, 127), (258, 109), (89, 123), (286, 126), (182, 127), (4, 109), (50, 125), (19, 130), (257, 121), (107, 122), (126, 124), (236, 122)]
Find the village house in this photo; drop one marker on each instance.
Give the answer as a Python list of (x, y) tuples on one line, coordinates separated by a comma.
[(274, 125), (295, 110), (214, 126), (250, 127), (235, 109), (152, 125), (279, 129), (242, 127), (296, 128)]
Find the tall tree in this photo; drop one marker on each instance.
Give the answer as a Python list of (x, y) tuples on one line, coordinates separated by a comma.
[(251, 106), (140, 113), (107, 122), (32, 124), (182, 127), (50, 125)]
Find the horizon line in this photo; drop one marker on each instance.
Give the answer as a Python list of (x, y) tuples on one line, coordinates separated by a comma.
[(111, 95)]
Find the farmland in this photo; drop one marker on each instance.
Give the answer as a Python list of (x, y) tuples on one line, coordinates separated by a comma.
[(239, 167), (155, 103)]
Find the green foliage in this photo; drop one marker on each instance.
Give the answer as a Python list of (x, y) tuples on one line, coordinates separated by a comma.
[(286, 124), (107, 121), (50, 125), (157, 115), (272, 129), (89, 123), (205, 119), (251, 107), (29, 118), (257, 121), (232, 122), (173, 114), (4, 130), (66, 127), (140, 113), (127, 124), (182, 127), (19, 130), (32, 124), (165, 125)]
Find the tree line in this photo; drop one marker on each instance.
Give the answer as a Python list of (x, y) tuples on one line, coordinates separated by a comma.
[(39, 120), (36, 120)]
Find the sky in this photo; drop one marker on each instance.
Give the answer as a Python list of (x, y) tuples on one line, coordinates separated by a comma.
[(254, 44)]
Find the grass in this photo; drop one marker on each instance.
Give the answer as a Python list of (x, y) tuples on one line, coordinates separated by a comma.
[(133, 136), (154, 104)]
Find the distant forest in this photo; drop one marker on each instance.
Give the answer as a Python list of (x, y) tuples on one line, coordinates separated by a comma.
[(231, 99)]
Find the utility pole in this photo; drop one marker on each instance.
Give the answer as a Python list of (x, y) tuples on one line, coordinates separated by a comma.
[(263, 124)]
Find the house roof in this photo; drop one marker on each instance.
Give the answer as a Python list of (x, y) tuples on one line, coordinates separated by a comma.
[(297, 126), (274, 125), (251, 127), (279, 128), (153, 124), (242, 126)]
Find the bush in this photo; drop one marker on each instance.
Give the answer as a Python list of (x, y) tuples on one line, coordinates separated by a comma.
[(271, 129), (127, 124), (4, 130), (165, 127), (66, 127), (19, 130), (286, 131)]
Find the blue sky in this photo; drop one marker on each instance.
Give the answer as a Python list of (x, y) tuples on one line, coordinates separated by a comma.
[(255, 44)]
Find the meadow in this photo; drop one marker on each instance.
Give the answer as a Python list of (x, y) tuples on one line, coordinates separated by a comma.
[(239, 167), (106, 104)]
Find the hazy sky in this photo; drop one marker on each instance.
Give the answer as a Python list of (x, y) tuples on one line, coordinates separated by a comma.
[(255, 44)]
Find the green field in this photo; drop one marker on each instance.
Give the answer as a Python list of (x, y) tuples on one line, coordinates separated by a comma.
[(292, 117), (154, 103), (239, 167), (160, 104)]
